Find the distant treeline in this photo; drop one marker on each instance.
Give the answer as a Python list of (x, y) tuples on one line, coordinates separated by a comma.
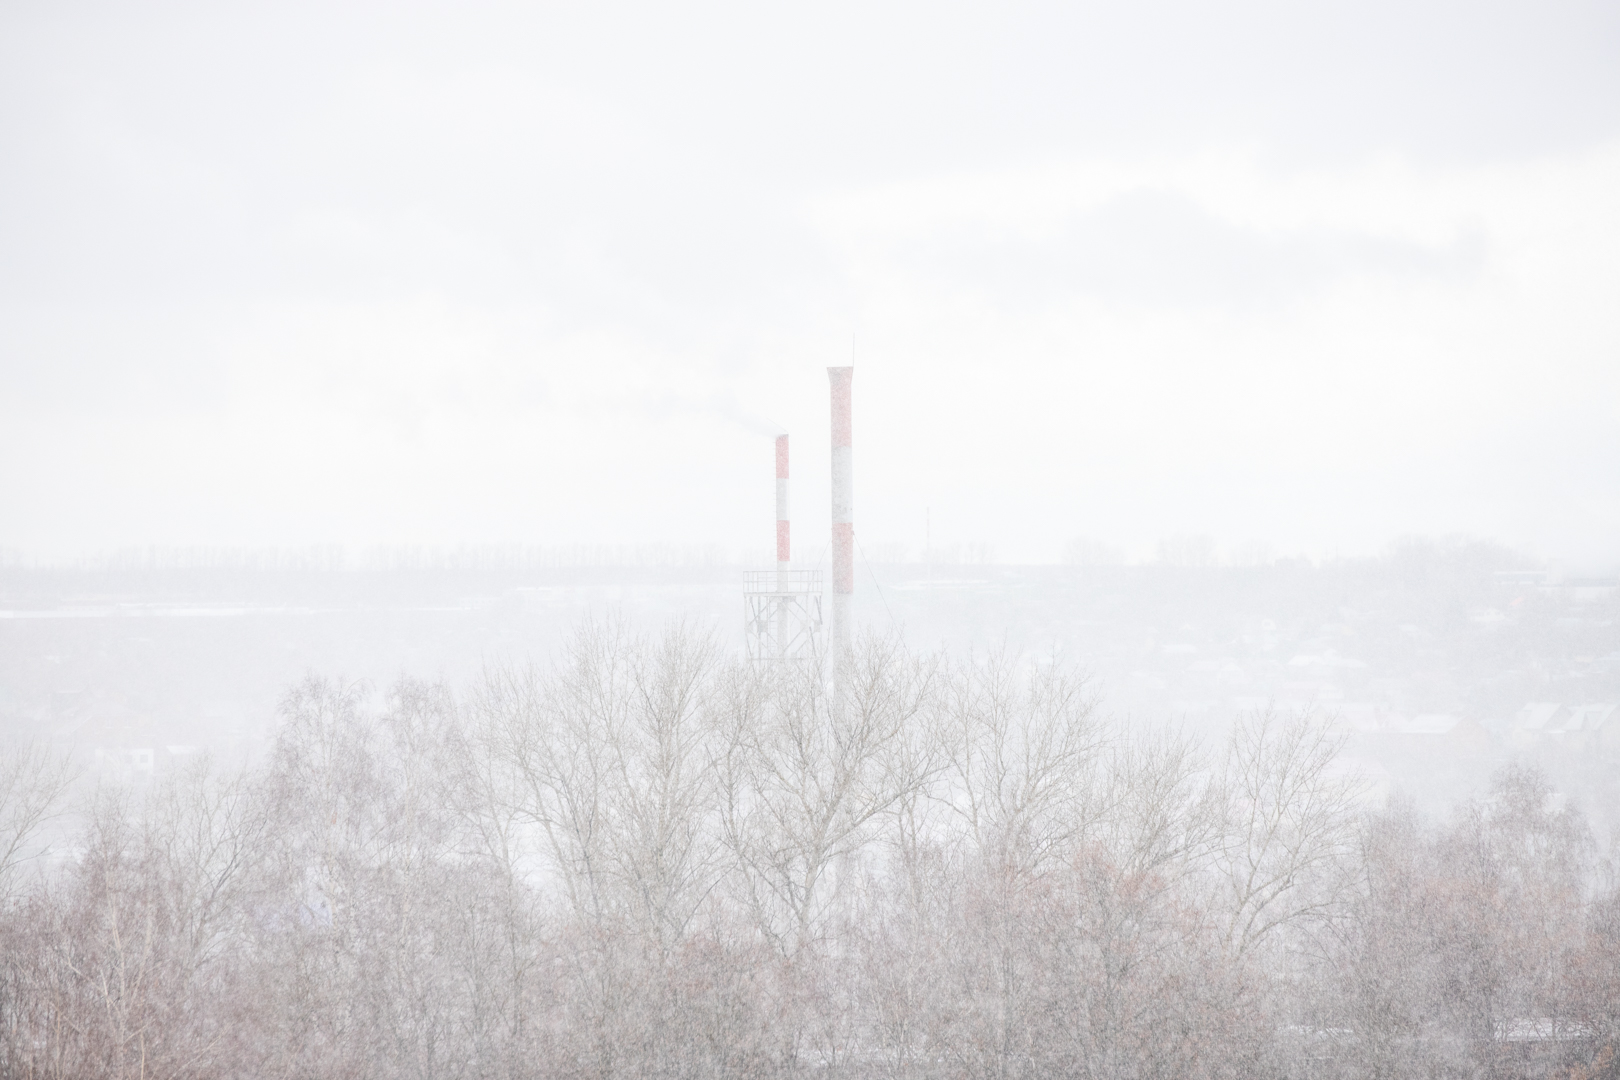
[(1413, 555), (651, 860), (336, 557)]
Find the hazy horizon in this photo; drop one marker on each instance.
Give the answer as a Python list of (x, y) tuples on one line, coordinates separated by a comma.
[(1177, 551)]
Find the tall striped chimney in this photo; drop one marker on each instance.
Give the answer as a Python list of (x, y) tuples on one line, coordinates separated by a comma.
[(843, 515)]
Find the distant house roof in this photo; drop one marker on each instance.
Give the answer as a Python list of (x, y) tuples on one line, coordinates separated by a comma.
[(1540, 716), (1329, 659), (1588, 717), (1431, 724)]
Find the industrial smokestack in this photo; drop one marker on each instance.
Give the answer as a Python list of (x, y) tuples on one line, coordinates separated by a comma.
[(843, 514)]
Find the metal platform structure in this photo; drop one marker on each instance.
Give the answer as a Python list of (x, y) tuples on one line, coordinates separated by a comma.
[(781, 614)]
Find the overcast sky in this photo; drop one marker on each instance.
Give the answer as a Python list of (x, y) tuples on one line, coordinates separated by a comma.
[(1311, 275)]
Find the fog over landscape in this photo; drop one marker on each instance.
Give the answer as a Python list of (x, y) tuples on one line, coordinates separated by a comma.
[(1186, 642)]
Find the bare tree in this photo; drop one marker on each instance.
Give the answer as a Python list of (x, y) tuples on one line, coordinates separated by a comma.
[(805, 784), (1022, 756), (1291, 827), (1024, 751), (1464, 948), (809, 782), (1084, 951), (383, 934), (612, 761), (138, 966), (493, 805), (34, 780)]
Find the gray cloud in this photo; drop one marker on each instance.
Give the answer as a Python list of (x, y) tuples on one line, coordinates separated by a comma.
[(400, 250), (1161, 248)]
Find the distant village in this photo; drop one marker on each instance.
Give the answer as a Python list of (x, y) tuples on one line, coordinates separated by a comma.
[(1432, 672)]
